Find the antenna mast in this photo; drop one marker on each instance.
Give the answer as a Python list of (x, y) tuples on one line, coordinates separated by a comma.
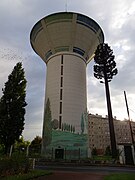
[(129, 120), (66, 5)]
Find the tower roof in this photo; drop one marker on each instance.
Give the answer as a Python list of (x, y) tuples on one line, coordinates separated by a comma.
[(66, 31)]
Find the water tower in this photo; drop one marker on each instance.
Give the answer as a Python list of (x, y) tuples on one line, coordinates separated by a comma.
[(66, 42)]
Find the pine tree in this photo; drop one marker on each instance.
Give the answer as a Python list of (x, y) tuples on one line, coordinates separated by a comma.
[(82, 124), (73, 129), (12, 107), (47, 128)]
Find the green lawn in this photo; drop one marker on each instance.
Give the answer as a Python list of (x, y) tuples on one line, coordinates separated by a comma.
[(121, 176)]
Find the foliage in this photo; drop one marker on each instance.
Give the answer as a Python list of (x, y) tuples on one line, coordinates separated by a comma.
[(68, 127), (1, 149), (55, 124), (21, 144), (121, 176), (12, 107), (73, 129), (85, 114), (35, 146), (36, 141), (105, 65), (30, 175), (82, 124), (94, 151), (108, 151), (47, 127), (15, 165)]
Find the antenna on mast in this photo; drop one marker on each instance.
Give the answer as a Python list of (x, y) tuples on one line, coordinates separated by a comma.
[(129, 120), (66, 5)]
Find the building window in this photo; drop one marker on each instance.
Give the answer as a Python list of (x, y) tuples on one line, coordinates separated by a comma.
[(60, 120), (61, 82), (61, 70), (60, 94), (60, 107), (62, 59)]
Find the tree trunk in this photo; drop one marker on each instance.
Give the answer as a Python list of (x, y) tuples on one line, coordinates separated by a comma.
[(7, 149)]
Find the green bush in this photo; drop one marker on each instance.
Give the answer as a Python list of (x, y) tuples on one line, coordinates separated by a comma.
[(108, 151), (1, 150), (94, 151), (16, 165), (31, 175)]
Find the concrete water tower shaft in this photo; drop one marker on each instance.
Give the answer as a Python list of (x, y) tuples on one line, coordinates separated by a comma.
[(66, 42)]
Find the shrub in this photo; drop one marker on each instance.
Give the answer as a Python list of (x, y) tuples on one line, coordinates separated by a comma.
[(18, 164), (108, 151), (94, 151)]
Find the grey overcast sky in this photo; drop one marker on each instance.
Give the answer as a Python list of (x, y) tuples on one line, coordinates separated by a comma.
[(116, 18)]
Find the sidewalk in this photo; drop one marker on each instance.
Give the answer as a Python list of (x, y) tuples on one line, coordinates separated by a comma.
[(64, 175)]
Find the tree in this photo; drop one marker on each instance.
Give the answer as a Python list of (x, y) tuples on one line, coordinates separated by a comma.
[(21, 144), (82, 124), (68, 129), (36, 141), (94, 151), (36, 144), (62, 127), (47, 127), (105, 69), (108, 151), (73, 129), (55, 124), (85, 114), (12, 107)]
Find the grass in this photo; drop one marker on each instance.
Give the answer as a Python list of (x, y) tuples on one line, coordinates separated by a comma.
[(121, 176), (30, 175), (39, 173)]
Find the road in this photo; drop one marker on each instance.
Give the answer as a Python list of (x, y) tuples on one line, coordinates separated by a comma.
[(82, 172), (97, 169)]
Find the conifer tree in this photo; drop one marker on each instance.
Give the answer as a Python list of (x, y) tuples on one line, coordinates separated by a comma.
[(12, 107), (47, 127), (82, 124)]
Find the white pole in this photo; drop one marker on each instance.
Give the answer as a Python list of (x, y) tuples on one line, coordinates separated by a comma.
[(11, 148)]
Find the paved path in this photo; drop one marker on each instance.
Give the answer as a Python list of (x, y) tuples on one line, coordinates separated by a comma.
[(62, 172), (64, 175)]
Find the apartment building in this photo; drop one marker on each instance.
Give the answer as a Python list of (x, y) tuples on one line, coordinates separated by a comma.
[(98, 132)]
